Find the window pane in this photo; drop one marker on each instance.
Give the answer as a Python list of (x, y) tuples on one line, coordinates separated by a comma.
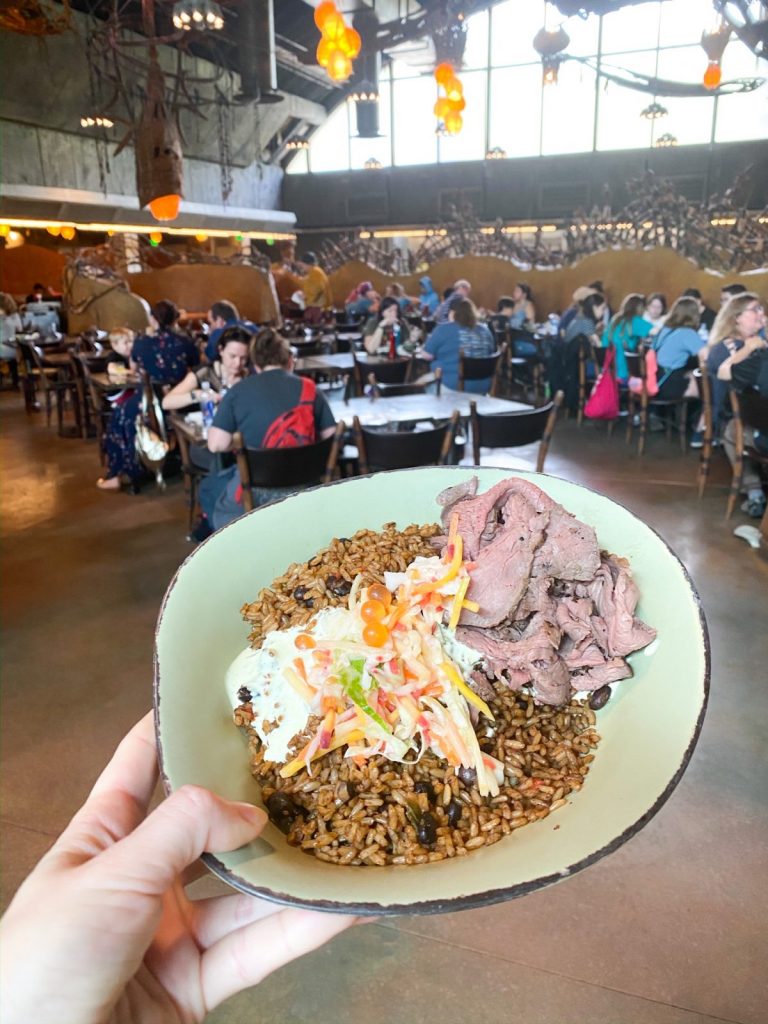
[(476, 49), (330, 143), (414, 121), (514, 123), (742, 115), (619, 124), (514, 25), (298, 164), (689, 119), (569, 110), (469, 144), (583, 34), (632, 28), (683, 21)]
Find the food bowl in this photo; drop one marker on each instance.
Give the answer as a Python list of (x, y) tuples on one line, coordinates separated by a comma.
[(648, 729)]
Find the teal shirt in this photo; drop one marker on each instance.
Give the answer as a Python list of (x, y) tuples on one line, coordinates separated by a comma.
[(625, 338)]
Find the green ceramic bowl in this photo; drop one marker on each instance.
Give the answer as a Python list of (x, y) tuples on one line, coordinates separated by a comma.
[(649, 728)]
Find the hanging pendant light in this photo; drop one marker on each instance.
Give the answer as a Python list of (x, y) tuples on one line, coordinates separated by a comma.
[(654, 111), (714, 44), (197, 15), (549, 45)]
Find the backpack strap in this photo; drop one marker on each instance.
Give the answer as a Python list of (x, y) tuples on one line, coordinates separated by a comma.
[(308, 391)]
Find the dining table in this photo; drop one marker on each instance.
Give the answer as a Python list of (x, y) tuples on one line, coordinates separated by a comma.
[(108, 383), (406, 409)]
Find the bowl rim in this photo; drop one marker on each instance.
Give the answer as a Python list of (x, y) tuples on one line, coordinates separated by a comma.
[(470, 901)]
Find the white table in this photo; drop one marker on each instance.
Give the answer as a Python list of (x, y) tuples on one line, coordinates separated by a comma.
[(412, 408)]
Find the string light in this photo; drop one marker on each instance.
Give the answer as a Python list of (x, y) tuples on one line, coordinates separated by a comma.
[(136, 229)]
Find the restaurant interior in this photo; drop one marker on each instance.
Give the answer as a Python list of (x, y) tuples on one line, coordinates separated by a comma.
[(468, 230)]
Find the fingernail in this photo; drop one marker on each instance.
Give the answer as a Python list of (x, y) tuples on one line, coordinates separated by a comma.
[(253, 815)]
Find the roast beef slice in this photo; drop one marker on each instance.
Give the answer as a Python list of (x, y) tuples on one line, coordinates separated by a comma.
[(532, 659), (569, 550), (615, 596)]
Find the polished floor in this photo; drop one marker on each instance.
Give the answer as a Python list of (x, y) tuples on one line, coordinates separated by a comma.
[(671, 929)]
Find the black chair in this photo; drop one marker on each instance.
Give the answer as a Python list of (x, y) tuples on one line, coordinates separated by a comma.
[(403, 449), (192, 475), (30, 373), (481, 368), (525, 367), (286, 468), (55, 382), (515, 429), (677, 406), (385, 371), (750, 409), (97, 408), (420, 387)]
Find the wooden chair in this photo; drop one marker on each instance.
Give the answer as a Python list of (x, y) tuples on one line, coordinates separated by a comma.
[(382, 390), (98, 410), (584, 347), (515, 429), (636, 366), (54, 384), (286, 468), (481, 368), (192, 475), (704, 384), (385, 371), (750, 410), (29, 372), (530, 365), (403, 449)]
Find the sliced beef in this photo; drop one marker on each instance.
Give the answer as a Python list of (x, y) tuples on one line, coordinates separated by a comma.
[(572, 615), (582, 654), (615, 596), (569, 550), (482, 686), (532, 659), (537, 598), (447, 499), (479, 516), (501, 573), (593, 678)]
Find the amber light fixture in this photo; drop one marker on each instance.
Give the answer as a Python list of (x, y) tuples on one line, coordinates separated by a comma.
[(339, 44), (165, 207), (714, 44), (448, 109)]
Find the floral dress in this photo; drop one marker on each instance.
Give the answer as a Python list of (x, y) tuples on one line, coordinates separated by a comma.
[(167, 358)]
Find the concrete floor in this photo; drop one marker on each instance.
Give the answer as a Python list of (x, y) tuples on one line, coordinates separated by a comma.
[(670, 929)]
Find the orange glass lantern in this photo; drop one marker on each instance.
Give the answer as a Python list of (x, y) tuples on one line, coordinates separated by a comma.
[(713, 75), (442, 107), (165, 207), (201, 237), (443, 73), (156, 237), (454, 90), (334, 27), (54, 229), (339, 66), (68, 233), (323, 52), (324, 11), (453, 122), (458, 105), (350, 43)]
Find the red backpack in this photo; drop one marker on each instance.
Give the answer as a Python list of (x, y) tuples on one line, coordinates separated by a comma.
[(296, 427)]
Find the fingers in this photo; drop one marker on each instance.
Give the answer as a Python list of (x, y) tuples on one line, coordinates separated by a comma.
[(248, 955), (133, 768), (189, 822), (214, 918)]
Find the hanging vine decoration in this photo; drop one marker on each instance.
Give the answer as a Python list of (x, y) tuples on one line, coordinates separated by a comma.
[(224, 132)]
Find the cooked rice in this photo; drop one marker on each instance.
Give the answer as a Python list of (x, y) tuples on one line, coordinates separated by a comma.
[(384, 812)]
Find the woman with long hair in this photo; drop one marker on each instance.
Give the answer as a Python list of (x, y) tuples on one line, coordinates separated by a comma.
[(524, 312), (677, 345), (166, 356), (735, 337), (462, 334), (655, 310), (626, 331)]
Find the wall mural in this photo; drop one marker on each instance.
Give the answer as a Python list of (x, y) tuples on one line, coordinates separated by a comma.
[(720, 234)]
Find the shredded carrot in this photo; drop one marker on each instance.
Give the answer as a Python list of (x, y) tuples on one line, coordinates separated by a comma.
[(464, 690), (298, 762), (298, 684), (471, 606), (453, 621)]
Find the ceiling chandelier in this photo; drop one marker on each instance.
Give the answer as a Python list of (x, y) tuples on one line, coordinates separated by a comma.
[(497, 153), (372, 164), (653, 112), (666, 141), (297, 144), (198, 15)]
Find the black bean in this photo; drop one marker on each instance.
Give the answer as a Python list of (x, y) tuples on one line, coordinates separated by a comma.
[(599, 698), (244, 695), (426, 787), (282, 811), (300, 593), (455, 811), (427, 830), (338, 586), (467, 775)]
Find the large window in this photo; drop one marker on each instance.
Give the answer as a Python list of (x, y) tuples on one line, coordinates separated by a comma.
[(509, 107)]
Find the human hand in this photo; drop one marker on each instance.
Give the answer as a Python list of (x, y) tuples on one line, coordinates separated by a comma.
[(389, 315), (102, 929)]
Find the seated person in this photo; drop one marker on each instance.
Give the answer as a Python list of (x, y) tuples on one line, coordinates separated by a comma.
[(229, 369), (563, 358), (747, 368), (429, 300), (676, 345), (706, 315), (406, 303), (360, 300), (655, 310), (462, 334), (221, 315), (380, 327), (119, 357), (273, 408), (523, 315), (626, 331)]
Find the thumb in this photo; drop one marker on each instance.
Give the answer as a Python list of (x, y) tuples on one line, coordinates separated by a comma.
[(192, 820)]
